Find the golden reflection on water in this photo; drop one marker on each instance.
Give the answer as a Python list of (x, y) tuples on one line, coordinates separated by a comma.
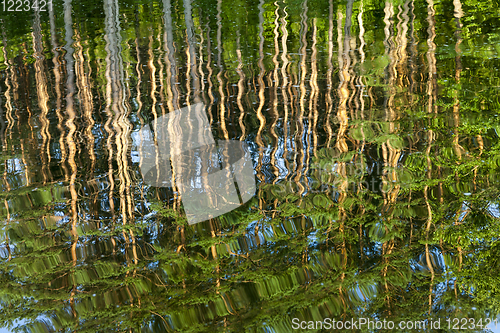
[(43, 97), (261, 98), (297, 96)]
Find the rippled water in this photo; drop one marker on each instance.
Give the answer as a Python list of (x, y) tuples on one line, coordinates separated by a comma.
[(372, 130)]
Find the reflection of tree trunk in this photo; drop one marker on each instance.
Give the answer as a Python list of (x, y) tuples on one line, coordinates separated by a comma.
[(107, 124), (152, 78), (15, 80), (397, 68), (222, 114), (241, 89), (260, 79), (360, 79), (23, 79), (411, 79), (8, 133), (431, 91), (85, 98), (43, 97), (456, 107), (116, 96), (172, 90), (402, 65), (200, 66), (58, 80), (274, 82), (161, 74), (388, 100), (213, 248), (302, 96), (188, 17), (152, 94), (431, 57), (344, 65), (3, 134), (8, 100), (313, 101), (70, 89), (285, 85), (7, 221), (341, 145), (329, 83), (430, 138), (8, 103), (362, 116), (209, 79), (344, 93), (169, 47), (389, 153), (458, 69), (360, 160), (129, 210), (413, 52), (138, 98)]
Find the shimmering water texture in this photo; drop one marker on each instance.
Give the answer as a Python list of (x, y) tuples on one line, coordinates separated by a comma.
[(228, 166)]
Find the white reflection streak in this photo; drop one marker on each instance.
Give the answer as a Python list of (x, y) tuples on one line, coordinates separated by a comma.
[(191, 52), (10, 123), (329, 73), (219, 74), (43, 97), (303, 92), (3, 137), (8, 98), (168, 42), (430, 134), (360, 79), (241, 88), (458, 13), (170, 61), (431, 57), (274, 98), (188, 17), (313, 100), (116, 100), (260, 116), (58, 78), (200, 66), (285, 85)]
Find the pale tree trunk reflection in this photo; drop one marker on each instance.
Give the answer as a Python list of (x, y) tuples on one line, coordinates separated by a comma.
[(261, 97), (43, 97), (298, 138), (273, 81), (191, 51), (70, 140), (4, 130), (173, 94), (431, 92), (460, 215)]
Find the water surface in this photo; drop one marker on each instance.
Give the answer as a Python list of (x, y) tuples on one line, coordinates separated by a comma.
[(372, 128)]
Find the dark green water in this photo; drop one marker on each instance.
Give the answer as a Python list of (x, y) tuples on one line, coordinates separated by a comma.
[(374, 135)]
